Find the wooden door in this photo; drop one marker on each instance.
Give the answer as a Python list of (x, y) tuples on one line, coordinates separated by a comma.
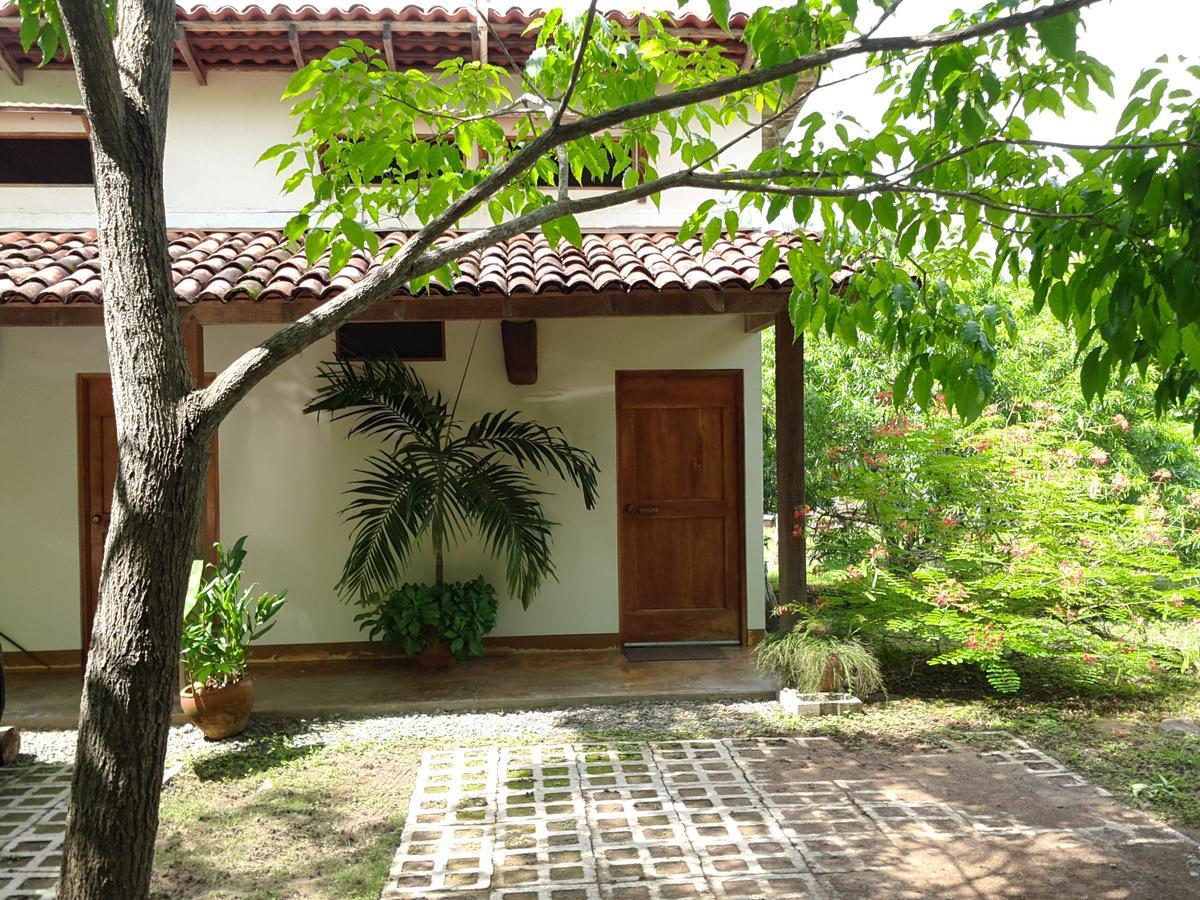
[(97, 477), (681, 526)]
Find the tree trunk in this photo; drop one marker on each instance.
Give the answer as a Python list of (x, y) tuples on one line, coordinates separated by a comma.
[(129, 687), (163, 445)]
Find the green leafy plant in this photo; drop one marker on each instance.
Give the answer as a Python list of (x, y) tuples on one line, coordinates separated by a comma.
[(810, 658), (440, 478), (221, 619), (1047, 529), (413, 616)]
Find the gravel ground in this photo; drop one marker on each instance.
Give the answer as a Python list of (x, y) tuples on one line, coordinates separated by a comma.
[(452, 729)]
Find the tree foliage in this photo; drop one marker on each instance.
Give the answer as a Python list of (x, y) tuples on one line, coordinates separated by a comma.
[(953, 172)]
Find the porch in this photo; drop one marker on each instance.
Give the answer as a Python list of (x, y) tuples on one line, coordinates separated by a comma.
[(563, 334), (372, 687)]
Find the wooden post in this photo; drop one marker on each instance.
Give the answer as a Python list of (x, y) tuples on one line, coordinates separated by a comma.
[(193, 344), (210, 523), (789, 464)]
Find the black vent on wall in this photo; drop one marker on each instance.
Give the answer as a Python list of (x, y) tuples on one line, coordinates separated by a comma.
[(412, 341), (35, 160)]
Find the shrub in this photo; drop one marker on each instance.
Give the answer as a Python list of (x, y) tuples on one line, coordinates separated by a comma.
[(1049, 527), (414, 616), (1019, 535)]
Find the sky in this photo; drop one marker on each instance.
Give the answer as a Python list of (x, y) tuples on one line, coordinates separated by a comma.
[(1126, 35)]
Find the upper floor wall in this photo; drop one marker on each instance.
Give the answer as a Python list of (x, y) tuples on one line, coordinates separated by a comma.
[(218, 129)]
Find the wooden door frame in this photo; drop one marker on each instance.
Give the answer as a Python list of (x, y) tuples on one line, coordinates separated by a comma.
[(740, 479), (212, 510)]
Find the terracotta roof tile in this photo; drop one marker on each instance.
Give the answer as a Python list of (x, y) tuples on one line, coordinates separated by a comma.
[(254, 36), (260, 266)]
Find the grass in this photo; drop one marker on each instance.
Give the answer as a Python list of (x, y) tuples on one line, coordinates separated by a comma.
[(276, 821), (280, 820)]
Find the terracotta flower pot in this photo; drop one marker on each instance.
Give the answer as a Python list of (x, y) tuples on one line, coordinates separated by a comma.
[(834, 676), (436, 656), (219, 712)]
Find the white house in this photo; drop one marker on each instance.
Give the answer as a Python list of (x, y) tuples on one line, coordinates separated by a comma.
[(642, 351)]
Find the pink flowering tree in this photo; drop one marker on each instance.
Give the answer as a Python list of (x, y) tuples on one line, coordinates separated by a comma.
[(1047, 529)]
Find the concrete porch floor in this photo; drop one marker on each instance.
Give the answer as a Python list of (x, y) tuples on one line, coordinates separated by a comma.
[(517, 680)]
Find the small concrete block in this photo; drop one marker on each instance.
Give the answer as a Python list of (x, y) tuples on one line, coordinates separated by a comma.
[(821, 704)]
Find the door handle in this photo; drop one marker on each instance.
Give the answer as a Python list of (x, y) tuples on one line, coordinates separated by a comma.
[(97, 519), (640, 510)]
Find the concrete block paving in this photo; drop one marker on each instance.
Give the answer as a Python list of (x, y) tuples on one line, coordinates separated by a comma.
[(33, 803), (768, 818)]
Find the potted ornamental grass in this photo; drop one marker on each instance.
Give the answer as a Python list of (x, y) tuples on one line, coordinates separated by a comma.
[(818, 671), (437, 480), (220, 620)]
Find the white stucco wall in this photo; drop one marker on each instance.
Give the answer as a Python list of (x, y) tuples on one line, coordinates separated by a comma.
[(215, 135), (282, 473)]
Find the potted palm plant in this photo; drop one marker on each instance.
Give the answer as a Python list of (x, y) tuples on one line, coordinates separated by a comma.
[(439, 478), (220, 620)]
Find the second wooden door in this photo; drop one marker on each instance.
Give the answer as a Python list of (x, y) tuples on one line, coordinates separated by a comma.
[(679, 483)]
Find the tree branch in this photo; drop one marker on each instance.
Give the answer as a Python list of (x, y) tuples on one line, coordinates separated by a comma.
[(96, 68), (144, 48), (386, 279)]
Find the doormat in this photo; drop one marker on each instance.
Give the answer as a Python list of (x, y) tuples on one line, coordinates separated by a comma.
[(674, 651)]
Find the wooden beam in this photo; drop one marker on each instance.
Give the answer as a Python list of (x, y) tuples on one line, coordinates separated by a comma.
[(520, 350), (189, 56), (789, 462), (297, 50), (479, 39), (757, 322), (11, 67), (431, 308), (389, 51)]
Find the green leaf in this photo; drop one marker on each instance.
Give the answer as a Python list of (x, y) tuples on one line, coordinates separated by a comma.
[(1058, 35), (1093, 375), (31, 26), (569, 228), (304, 80), (1190, 339), (731, 223), (712, 231), (767, 262), (884, 209), (354, 232), (339, 256), (315, 244), (536, 62), (720, 13)]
